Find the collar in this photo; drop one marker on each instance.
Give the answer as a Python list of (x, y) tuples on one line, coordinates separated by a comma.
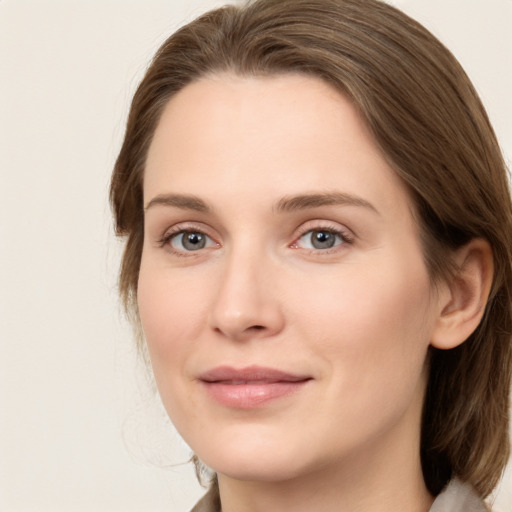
[(456, 497)]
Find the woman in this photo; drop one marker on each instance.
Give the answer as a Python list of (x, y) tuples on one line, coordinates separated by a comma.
[(318, 249)]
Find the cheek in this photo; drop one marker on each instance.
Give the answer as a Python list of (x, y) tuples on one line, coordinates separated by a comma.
[(372, 335), (172, 314), (170, 310), (372, 324)]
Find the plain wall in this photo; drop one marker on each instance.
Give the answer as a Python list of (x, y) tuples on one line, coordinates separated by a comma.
[(80, 428)]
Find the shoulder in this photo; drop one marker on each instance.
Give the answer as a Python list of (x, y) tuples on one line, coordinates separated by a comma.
[(459, 497), (210, 502)]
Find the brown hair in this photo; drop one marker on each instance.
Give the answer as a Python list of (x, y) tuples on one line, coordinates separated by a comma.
[(432, 128)]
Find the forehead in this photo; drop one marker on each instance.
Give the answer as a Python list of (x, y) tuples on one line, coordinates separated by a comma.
[(266, 136)]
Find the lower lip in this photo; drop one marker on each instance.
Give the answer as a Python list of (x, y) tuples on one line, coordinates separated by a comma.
[(251, 395)]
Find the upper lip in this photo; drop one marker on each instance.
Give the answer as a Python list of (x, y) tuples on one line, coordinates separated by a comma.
[(250, 374)]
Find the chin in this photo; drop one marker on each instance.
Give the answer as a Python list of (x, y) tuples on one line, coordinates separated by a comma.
[(257, 469), (255, 458)]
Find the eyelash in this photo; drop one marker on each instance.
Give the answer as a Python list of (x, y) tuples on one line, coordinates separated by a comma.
[(344, 235), (169, 236)]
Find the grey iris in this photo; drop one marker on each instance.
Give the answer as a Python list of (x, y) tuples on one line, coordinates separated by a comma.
[(322, 239), (193, 241)]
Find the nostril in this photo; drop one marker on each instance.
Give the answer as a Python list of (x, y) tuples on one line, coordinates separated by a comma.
[(257, 327)]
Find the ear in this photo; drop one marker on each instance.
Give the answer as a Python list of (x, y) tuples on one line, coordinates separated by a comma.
[(463, 299)]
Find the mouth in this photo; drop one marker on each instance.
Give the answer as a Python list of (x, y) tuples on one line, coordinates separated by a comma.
[(250, 387)]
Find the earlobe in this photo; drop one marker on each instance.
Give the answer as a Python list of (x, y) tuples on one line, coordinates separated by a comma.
[(464, 303)]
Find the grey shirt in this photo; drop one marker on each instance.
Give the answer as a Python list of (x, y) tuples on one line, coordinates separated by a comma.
[(456, 497)]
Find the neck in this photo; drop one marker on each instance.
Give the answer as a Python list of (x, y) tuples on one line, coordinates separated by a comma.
[(323, 493)]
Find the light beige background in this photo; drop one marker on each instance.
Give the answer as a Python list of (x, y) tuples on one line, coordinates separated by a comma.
[(80, 429)]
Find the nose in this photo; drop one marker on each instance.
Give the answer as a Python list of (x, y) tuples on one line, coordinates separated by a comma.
[(247, 304)]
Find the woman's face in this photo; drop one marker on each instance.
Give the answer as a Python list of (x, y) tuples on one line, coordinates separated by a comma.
[(283, 294)]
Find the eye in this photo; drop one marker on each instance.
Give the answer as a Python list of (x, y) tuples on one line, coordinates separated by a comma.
[(321, 239), (187, 241)]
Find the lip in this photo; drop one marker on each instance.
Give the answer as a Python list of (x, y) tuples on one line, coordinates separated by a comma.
[(250, 387)]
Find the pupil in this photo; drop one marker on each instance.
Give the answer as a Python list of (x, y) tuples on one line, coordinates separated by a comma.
[(194, 241), (323, 240)]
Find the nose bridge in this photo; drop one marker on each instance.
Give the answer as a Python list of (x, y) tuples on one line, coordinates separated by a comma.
[(245, 304)]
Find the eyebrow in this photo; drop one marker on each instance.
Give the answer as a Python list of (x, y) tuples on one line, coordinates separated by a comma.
[(285, 204), (183, 201), (306, 201)]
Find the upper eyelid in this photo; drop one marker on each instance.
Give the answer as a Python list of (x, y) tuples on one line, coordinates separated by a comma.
[(344, 237), (165, 241), (323, 224), (164, 237), (191, 226), (182, 232)]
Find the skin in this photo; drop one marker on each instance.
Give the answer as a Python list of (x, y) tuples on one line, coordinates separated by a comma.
[(357, 318)]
